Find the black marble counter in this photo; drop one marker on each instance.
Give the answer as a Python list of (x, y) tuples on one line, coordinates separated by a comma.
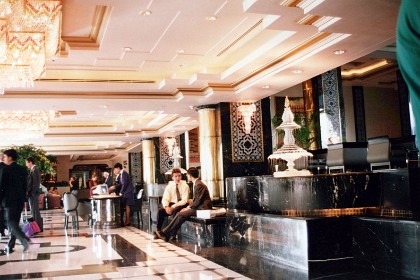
[(319, 245), (272, 195), (391, 246)]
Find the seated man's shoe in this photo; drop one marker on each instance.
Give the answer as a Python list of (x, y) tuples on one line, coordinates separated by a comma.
[(155, 236), (163, 236)]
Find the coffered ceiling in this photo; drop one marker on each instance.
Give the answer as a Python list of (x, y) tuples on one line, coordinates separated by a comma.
[(136, 69)]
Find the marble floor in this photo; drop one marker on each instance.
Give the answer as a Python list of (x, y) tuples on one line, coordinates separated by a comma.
[(123, 253)]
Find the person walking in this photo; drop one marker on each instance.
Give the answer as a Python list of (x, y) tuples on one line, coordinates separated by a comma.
[(12, 197), (33, 191)]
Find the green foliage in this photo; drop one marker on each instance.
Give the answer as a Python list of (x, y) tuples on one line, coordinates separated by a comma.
[(303, 136), (43, 162)]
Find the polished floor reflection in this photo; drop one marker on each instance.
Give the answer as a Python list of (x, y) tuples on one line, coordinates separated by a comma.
[(124, 253)]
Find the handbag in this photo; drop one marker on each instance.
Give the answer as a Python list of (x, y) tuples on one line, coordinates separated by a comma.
[(35, 227), (27, 229)]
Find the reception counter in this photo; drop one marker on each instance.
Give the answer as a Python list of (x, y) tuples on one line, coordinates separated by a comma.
[(266, 194), (106, 211)]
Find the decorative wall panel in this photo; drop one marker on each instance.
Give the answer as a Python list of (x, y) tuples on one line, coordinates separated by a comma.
[(332, 120), (135, 167), (166, 160), (246, 147)]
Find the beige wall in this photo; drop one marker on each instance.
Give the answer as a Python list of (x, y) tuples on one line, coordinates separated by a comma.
[(64, 164), (382, 112)]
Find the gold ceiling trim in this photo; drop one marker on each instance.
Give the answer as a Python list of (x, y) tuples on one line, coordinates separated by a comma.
[(240, 37), (366, 69), (101, 18), (311, 41), (66, 125), (290, 3), (373, 74), (309, 19), (89, 95), (61, 80)]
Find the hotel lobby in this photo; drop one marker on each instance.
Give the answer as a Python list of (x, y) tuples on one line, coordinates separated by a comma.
[(295, 112)]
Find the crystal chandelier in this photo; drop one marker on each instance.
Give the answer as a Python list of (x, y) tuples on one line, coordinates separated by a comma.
[(30, 32), (30, 124)]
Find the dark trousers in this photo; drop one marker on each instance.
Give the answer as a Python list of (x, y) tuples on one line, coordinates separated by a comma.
[(36, 215), (162, 215), (177, 222), (12, 216), (2, 222)]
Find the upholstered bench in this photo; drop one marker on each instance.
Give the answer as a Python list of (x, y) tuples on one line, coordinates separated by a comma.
[(206, 232)]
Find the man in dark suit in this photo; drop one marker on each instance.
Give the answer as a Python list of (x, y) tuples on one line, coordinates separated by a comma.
[(125, 188), (201, 201), (2, 223), (12, 197), (32, 190)]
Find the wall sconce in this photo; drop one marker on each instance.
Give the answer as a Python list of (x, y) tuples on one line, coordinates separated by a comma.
[(247, 111), (170, 142)]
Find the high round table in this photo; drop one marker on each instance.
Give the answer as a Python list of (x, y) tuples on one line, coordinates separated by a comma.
[(106, 211)]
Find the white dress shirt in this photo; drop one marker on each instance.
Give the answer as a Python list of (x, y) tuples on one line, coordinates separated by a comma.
[(170, 194)]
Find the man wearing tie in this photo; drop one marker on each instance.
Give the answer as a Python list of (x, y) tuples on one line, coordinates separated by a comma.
[(201, 201), (32, 190), (174, 198)]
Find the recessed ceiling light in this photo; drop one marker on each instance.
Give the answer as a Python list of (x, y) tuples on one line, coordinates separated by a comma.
[(103, 106), (180, 51), (173, 131), (146, 13), (338, 52), (127, 49), (266, 87), (297, 71), (211, 18)]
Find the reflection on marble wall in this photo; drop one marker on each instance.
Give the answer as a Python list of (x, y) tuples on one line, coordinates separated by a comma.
[(314, 244), (391, 246), (269, 194), (206, 233)]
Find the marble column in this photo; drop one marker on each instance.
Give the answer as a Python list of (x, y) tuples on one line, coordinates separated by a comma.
[(149, 158), (210, 149)]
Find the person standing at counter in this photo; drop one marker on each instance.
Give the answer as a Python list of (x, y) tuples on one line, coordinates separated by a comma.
[(33, 191), (126, 190), (108, 179), (174, 199), (201, 201), (74, 185)]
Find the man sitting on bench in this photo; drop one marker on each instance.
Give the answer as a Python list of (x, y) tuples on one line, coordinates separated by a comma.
[(201, 201), (174, 198)]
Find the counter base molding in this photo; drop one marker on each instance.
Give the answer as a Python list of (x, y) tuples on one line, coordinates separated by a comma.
[(318, 245), (390, 246)]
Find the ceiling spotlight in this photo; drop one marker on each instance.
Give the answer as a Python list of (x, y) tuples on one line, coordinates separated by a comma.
[(266, 87), (103, 106), (211, 18), (180, 51), (338, 52), (297, 71), (127, 49), (146, 13)]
